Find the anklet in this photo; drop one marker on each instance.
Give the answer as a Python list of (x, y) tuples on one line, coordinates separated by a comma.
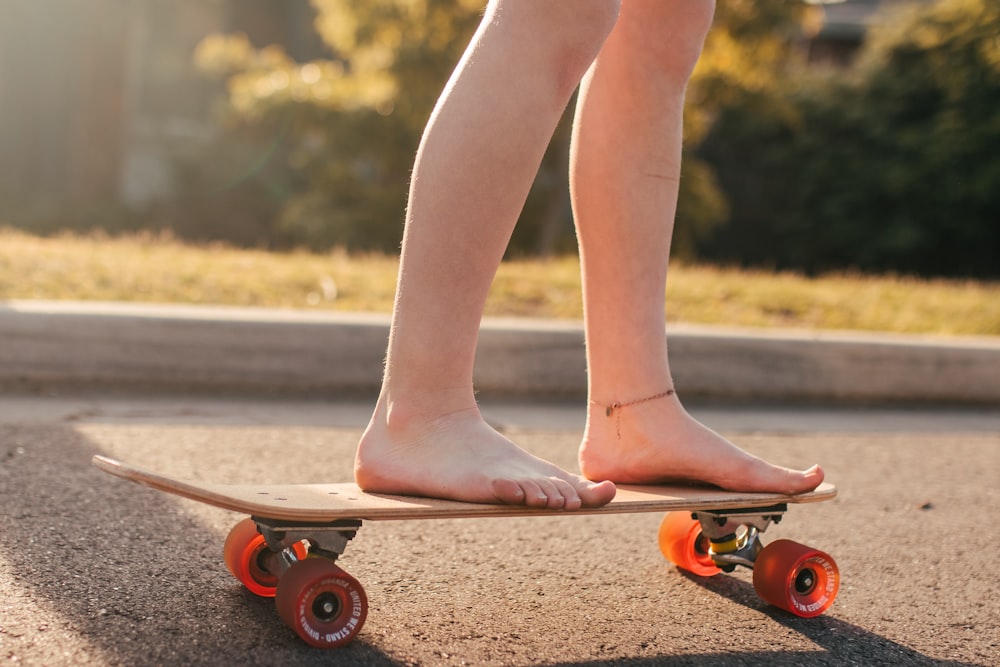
[(613, 409)]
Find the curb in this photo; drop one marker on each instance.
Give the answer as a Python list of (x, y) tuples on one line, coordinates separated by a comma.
[(52, 346)]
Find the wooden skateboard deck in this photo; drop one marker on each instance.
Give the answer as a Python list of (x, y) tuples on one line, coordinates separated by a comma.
[(289, 548), (331, 502)]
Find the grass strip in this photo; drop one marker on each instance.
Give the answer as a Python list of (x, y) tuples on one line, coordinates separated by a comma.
[(160, 269)]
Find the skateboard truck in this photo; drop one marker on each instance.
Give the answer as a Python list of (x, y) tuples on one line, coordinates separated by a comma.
[(326, 539), (734, 535)]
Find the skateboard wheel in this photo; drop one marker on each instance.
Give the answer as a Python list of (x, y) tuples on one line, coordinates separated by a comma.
[(796, 578), (242, 553), (325, 606), (684, 545)]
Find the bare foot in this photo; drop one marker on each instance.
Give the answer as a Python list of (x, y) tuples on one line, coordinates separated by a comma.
[(459, 457), (659, 442)]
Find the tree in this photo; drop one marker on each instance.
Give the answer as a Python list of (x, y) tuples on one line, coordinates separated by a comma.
[(350, 125), (747, 55), (890, 165)]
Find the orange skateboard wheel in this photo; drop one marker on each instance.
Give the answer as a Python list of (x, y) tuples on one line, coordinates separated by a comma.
[(684, 545), (325, 606), (796, 578), (242, 554), (242, 551)]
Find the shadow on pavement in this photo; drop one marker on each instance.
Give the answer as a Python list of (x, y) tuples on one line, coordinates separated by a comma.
[(115, 577), (843, 643)]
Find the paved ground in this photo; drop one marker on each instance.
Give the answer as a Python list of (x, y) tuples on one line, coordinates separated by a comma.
[(95, 571)]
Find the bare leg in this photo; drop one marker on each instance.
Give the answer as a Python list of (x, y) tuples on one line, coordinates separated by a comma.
[(624, 180), (476, 162)]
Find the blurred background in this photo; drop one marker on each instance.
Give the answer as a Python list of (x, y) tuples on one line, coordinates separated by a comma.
[(821, 136)]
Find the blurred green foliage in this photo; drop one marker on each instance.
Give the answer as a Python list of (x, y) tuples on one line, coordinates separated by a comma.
[(889, 165), (350, 125), (893, 165)]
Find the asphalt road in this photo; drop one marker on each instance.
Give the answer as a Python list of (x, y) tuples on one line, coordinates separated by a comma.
[(96, 571)]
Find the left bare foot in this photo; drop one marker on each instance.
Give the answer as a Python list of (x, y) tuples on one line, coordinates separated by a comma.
[(458, 456), (659, 442)]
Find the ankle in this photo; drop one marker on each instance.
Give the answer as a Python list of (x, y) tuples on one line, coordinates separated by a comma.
[(402, 413), (615, 411)]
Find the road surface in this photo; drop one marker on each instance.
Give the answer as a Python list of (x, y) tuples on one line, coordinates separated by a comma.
[(96, 571)]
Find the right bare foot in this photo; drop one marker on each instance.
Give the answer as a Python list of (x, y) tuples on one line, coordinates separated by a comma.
[(658, 442), (458, 456)]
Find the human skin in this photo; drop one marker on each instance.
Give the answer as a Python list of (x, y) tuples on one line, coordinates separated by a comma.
[(475, 165)]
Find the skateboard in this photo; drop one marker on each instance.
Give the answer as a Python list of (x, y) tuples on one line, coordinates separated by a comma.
[(289, 546)]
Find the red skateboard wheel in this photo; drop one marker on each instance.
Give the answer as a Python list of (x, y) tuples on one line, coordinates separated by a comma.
[(325, 606), (796, 578)]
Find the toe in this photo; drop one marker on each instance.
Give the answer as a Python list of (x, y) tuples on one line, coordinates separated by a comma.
[(508, 492), (534, 494), (786, 480), (596, 494), (810, 479), (570, 498), (554, 492)]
